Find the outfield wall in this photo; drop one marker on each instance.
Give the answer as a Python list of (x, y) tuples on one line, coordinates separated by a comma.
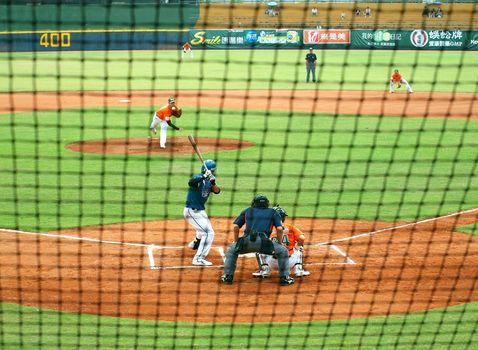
[(239, 39)]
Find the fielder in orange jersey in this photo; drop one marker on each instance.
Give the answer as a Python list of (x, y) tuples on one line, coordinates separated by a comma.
[(187, 48), (397, 79), (293, 239), (162, 117)]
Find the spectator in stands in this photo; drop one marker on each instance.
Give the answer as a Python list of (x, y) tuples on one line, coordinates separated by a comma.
[(315, 11), (357, 11), (439, 13), (368, 12), (342, 15), (433, 14)]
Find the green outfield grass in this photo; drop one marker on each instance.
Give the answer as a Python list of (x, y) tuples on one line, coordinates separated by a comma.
[(451, 328), (321, 165), (236, 69), (472, 229)]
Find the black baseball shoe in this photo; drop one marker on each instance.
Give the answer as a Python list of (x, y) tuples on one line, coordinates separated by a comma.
[(286, 281), (226, 279)]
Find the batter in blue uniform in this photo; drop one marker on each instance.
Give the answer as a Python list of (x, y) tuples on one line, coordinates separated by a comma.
[(259, 220), (200, 187)]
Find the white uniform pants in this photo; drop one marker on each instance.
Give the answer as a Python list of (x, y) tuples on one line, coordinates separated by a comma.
[(163, 132), (403, 81), (204, 231), (294, 259), (185, 51)]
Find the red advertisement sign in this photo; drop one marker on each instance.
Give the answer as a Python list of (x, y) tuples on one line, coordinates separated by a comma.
[(327, 36)]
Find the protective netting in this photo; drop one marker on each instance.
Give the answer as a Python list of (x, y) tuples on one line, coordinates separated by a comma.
[(358, 119)]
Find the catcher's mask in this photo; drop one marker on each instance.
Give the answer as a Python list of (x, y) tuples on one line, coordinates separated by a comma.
[(281, 212), (260, 201), (210, 165)]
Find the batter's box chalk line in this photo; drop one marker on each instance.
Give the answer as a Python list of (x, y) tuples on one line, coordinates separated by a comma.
[(152, 261)]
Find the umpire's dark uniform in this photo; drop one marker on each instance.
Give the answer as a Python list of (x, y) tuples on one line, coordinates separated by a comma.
[(310, 61), (259, 220)]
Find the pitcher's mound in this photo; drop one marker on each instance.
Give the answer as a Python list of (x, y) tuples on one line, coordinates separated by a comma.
[(175, 145)]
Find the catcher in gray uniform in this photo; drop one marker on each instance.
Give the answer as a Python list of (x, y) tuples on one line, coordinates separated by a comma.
[(259, 219)]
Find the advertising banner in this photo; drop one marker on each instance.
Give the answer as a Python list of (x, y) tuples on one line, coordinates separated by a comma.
[(418, 39), (327, 36), (243, 39)]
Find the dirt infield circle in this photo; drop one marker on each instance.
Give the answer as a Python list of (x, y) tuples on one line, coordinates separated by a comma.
[(143, 270)]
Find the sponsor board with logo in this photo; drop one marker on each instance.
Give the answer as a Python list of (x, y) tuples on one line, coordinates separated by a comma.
[(382, 39), (418, 39), (326, 36), (257, 38)]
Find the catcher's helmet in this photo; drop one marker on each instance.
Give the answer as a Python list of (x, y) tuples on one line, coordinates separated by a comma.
[(281, 212), (210, 165), (260, 201)]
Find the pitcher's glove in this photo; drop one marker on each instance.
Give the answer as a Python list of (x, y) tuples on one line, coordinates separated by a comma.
[(177, 111)]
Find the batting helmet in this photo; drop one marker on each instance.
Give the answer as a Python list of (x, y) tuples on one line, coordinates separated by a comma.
[(281, 212), (210, 165), (171, 99), (260, 201)]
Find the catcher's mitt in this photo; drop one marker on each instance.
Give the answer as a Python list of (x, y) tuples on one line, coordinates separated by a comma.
[(177, 112)]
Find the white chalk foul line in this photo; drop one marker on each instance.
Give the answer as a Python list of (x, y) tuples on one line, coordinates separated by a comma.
[(87, 239), (221, 253), (399, 227), (185, 267), (344, 254)]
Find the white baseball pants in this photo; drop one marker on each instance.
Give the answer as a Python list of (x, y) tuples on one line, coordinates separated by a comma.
[(294, 259), (163, 132), (204, 231), (185, 51), (403, 81)]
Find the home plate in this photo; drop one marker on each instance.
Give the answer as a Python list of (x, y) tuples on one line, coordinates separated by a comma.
[(125, 101)]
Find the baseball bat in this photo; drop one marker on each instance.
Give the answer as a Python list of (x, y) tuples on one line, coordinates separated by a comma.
[(196, 149)]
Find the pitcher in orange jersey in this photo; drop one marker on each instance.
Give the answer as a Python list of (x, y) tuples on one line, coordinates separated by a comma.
[(162, 117), (293, 239), (397, 79), (187, 48)]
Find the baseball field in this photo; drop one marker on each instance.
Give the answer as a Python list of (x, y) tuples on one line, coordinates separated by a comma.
[(384, 186)]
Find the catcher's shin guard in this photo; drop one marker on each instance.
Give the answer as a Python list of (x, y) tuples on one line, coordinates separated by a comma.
[(299, 270), (264, 268)]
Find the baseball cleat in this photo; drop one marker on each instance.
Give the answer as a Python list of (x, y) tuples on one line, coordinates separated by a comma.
[(286, 281), (264, 272), (226, 279), (201, 262), (302, 273)]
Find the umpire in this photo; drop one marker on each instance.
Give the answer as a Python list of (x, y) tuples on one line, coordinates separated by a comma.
[(310, 63), (259, 219)]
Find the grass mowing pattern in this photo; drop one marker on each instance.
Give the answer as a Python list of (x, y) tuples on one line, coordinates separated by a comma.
[(372, 160), (221, 69)]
